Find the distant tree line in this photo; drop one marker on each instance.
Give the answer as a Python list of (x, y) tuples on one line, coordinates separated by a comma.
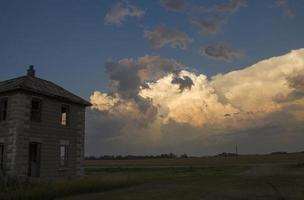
[(160, 156), (166, 156), (278, 153), (135, 157), (225, 154)]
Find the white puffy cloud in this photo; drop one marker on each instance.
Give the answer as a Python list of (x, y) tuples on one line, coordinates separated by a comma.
[(102, 101), (255, 88), (197, 106), (127, 110), (120, 11)]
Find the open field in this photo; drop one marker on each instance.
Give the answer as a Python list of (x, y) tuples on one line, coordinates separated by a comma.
[(213, 161), (261, 177), (242, 177)]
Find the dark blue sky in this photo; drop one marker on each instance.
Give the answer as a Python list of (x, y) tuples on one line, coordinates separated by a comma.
[(69, 41), (72, 42)]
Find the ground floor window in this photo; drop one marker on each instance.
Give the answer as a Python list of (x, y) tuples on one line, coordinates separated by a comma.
[(34, 159), (64, 155), (1, 156)]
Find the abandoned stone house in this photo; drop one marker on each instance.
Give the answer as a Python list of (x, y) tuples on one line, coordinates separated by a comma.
[(41, 128)]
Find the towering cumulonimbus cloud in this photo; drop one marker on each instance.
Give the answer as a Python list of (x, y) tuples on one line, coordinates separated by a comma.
[(255, 88), (190, 98), (196, 105), (127, 78), (190, 107)]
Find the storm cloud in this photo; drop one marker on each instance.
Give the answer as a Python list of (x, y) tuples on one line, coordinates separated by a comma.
[(192, 113), (128, 75)]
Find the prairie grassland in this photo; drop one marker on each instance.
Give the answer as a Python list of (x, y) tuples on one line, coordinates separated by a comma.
[(264, 177), (242, 177), (200, 162)]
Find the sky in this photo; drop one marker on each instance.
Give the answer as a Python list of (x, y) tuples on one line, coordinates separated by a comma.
[(181, 76)]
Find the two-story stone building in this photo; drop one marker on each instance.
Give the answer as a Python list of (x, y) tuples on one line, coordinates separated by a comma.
[(41, 128)]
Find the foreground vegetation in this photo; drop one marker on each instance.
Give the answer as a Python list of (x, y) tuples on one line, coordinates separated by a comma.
[(242, 177), (12, 189)]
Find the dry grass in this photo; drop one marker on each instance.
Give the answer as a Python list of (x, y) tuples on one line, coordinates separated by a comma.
[(25, 190), (242, 177)]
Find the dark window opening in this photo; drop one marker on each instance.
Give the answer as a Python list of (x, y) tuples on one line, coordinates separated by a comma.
[(63, 155), (1, 157), (65, 115), (3, 109), (34, 159), (36, 110)]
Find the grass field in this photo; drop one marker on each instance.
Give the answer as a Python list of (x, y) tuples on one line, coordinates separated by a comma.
[(263, 177), (244, 177)]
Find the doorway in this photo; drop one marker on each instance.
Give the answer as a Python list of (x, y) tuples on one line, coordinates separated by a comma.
[(34, 159)]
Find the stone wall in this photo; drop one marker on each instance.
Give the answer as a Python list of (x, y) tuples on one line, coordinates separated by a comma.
[(7, 136), (18, 131)]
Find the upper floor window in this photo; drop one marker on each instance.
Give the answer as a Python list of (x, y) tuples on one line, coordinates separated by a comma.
[(65, 115), (3, 109), (36, 108)]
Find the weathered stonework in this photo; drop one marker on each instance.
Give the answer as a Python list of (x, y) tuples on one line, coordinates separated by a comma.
[(18, 131)]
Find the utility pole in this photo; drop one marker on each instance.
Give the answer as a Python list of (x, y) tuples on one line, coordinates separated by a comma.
[(236, 150)]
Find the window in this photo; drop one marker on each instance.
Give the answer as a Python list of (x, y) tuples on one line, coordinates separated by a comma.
[(63, 155), (3, 109), (1, 157), (34, 159), (36, 110), (65, 109)]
